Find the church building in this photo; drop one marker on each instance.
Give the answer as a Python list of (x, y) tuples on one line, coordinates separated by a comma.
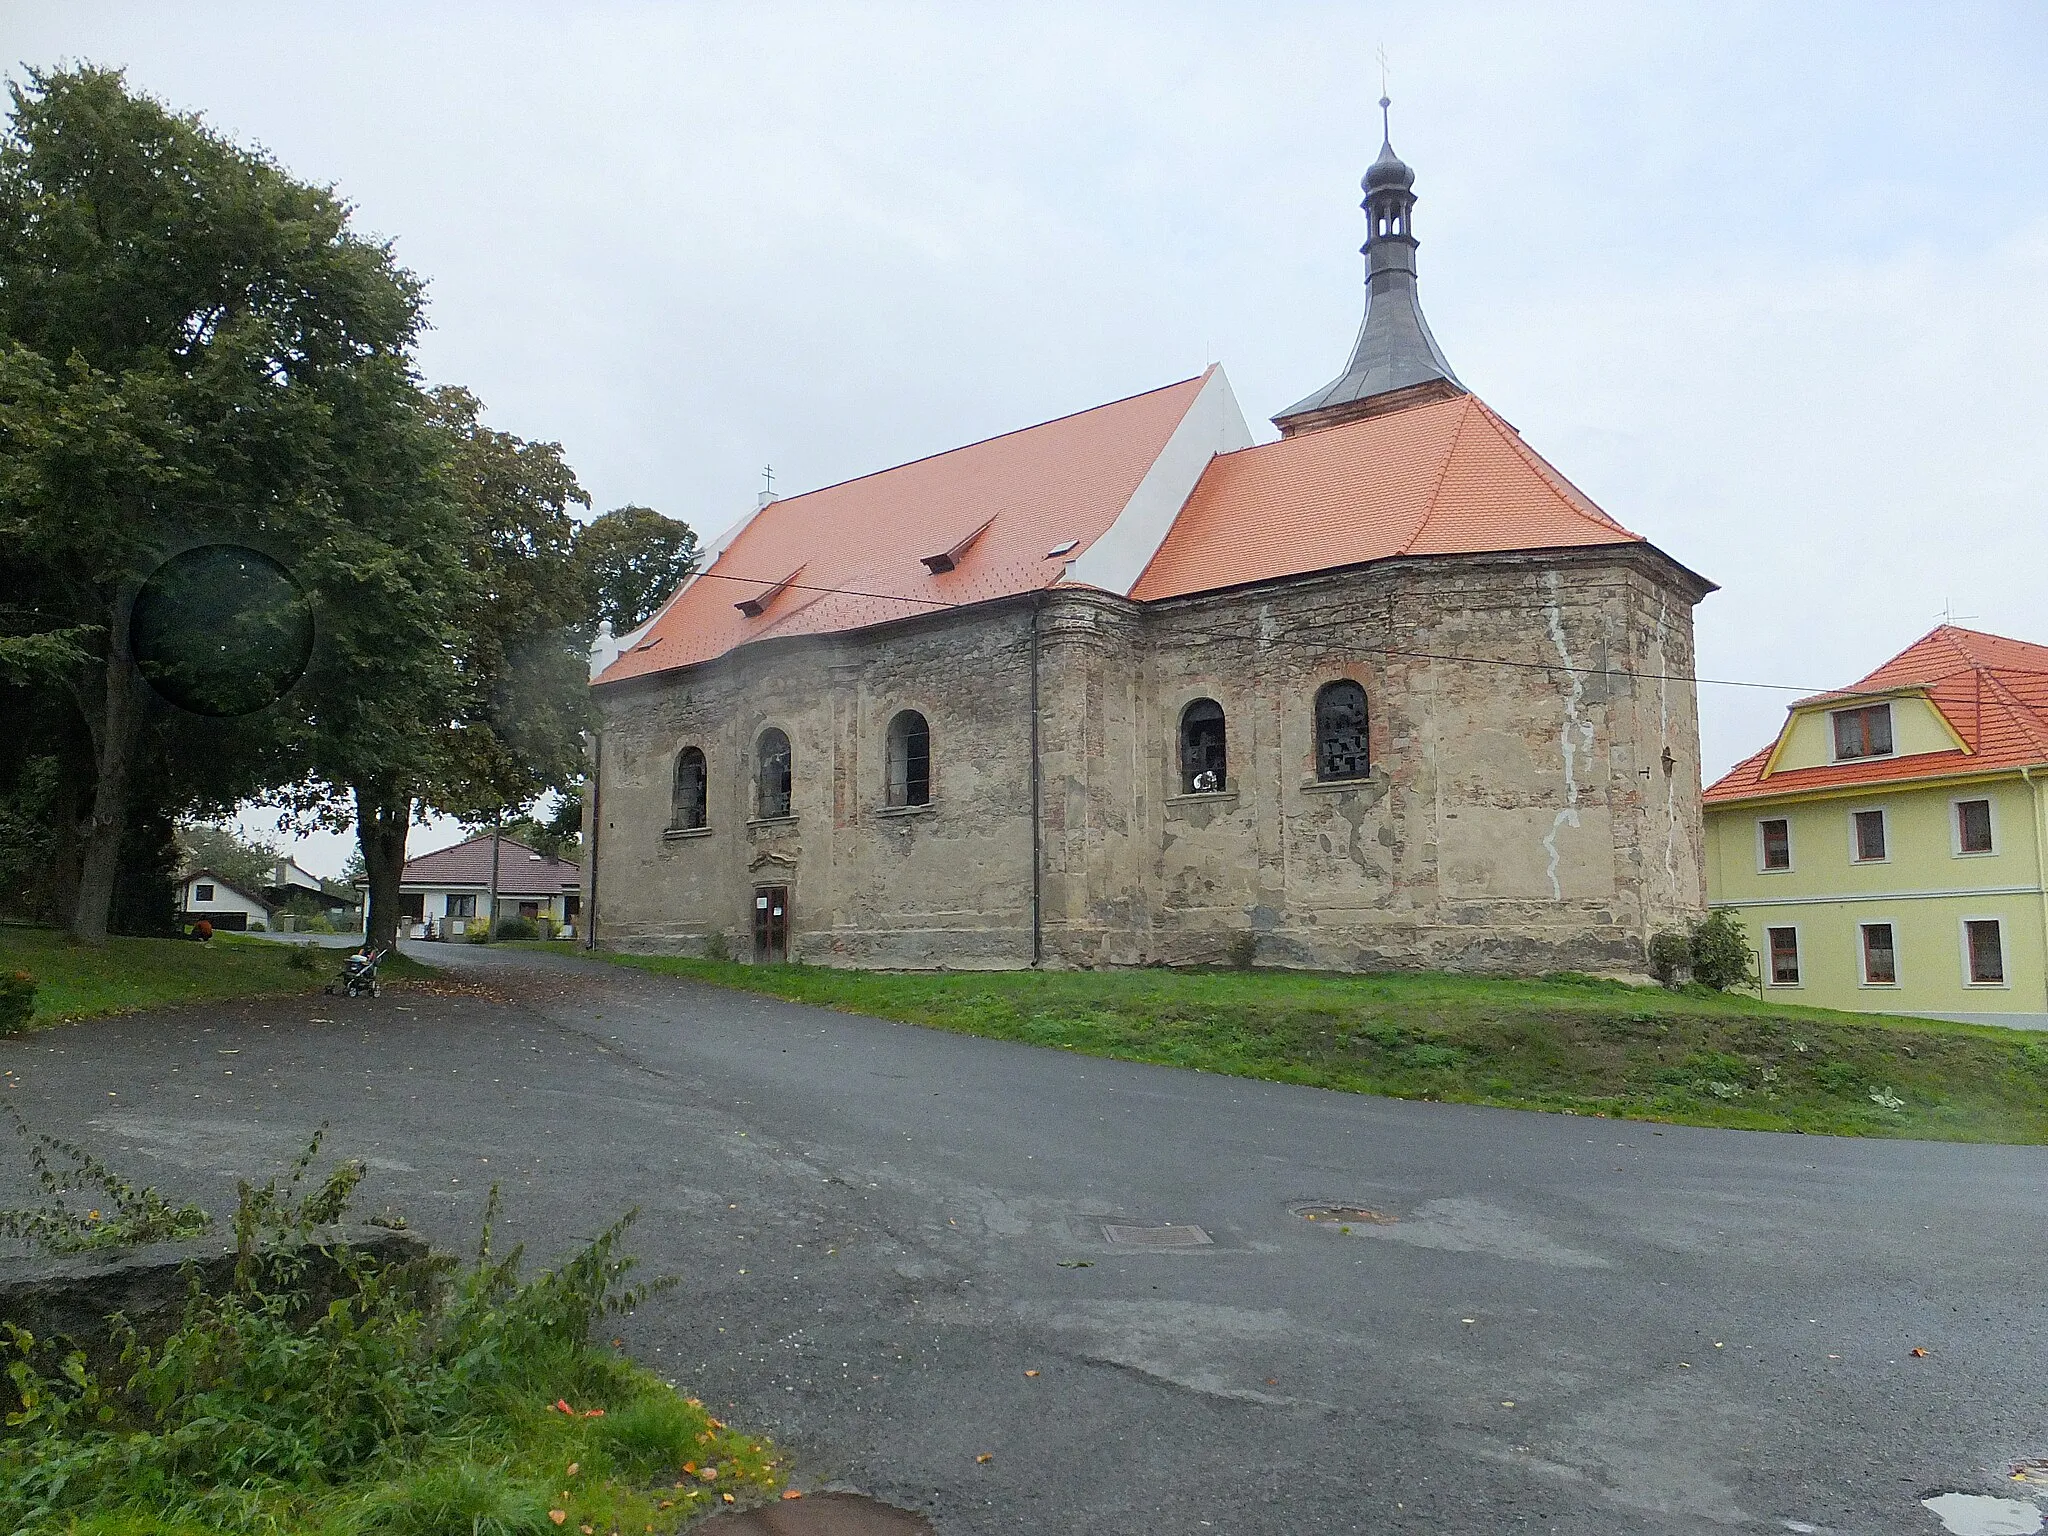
[(1127, 687)]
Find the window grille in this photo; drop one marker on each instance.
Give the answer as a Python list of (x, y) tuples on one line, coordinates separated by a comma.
[(772, 775), (1343, 747)]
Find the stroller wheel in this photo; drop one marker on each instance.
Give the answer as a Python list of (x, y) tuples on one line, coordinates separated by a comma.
[(376, 989)]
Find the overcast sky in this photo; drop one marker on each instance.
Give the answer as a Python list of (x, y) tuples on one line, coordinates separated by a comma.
[(1769, 282)]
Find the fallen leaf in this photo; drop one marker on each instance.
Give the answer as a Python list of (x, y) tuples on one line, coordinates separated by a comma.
[(593, 1413), (575, 1467), (709, 1474), (562, 1404), (587, 1530), (1919, 1354), (727, 1497), (1031, 1373), (1077, 1263), (791, 1493), (1506, 1404), (986, 1456), (558, 1515)]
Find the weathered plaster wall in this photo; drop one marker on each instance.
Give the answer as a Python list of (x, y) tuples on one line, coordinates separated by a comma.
[(947, 884), (1508, 822), (1518, 816)]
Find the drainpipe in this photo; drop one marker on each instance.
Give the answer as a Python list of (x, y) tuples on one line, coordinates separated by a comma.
[(590, 815), (1037, 835), (2040, 869)]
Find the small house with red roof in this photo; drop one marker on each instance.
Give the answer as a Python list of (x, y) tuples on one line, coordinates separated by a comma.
[(1885, 853), (1130, 687), (446, 894)]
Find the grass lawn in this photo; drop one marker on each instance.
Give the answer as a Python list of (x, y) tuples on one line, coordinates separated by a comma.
[(1576, 1045), (74, 981)]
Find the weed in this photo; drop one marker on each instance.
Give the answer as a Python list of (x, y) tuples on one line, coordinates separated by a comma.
[(118, 1216), (426, 1398)]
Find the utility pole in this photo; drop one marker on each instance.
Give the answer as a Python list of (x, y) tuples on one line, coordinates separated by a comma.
[(497, 829)]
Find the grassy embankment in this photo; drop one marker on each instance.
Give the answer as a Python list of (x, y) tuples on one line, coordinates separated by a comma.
[(75, 981), (1568, 1044)]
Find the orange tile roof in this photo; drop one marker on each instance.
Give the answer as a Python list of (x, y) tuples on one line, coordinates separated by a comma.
[(1448, 477), (1992, 691), (852, 553)]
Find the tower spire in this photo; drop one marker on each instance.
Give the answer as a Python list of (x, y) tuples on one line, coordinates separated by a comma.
[(1396, 361)]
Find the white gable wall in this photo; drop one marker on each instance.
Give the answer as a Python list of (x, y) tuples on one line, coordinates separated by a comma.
[(1214, 424)]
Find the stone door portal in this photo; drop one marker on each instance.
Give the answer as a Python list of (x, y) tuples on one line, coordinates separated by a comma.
[(771, 923)]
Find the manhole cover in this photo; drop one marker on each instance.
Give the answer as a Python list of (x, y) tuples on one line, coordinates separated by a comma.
[(1345, 1214), (1157, 1237)]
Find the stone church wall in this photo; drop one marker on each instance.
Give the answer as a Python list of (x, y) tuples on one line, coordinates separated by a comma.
[(945, 884), (1517, 818), (1508, 823)]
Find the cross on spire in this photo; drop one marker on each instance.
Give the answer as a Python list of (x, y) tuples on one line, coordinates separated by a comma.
[(1386, 100)]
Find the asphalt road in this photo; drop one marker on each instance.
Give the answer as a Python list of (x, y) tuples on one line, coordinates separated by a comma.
[(1569, 1325)]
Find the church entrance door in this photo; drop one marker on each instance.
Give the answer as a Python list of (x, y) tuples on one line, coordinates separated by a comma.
[(771, 923)]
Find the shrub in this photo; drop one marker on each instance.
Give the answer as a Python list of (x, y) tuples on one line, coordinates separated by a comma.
[(302, 958), (1720, 953), (1242, 951), (477, 933), (517, 928), (256, 925), (17, 1001), (1670, 956), (412, 1396), (717, 946)]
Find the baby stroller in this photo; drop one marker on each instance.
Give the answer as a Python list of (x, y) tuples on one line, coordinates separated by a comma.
[(359, 974)]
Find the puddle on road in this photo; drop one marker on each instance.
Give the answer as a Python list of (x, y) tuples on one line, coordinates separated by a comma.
[(1980, 1514)]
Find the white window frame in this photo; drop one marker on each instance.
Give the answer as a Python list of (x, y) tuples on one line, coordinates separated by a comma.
[(1791, 852), (1798, 957), (2004, 950), (1863, 958), (1856, 847), (1868, 757), (1955, 826)]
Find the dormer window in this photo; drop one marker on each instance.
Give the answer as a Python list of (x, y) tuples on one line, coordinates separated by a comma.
[(1863, 732)]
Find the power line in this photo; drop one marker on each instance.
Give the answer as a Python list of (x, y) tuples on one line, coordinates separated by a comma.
[(1297, 636)]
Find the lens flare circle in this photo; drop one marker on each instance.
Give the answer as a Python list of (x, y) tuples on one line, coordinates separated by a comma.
[(221, 630)]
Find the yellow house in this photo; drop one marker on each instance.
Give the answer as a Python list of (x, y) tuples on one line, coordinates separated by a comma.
[(1886, 853)]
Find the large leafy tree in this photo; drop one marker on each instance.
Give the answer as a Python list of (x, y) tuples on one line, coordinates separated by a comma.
[(197, 349), (493, 720), (631, 559)]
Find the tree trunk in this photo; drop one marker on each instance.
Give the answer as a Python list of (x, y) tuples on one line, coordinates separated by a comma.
[(114, 733), (497, 831), (382, 818)]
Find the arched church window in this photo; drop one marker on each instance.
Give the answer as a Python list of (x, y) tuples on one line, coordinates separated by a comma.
[(690, 807), (910, 760), (1203, 769), (771, 774), (1343, 747)]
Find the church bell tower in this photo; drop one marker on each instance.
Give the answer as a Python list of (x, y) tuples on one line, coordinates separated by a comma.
[(1396, 362)]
